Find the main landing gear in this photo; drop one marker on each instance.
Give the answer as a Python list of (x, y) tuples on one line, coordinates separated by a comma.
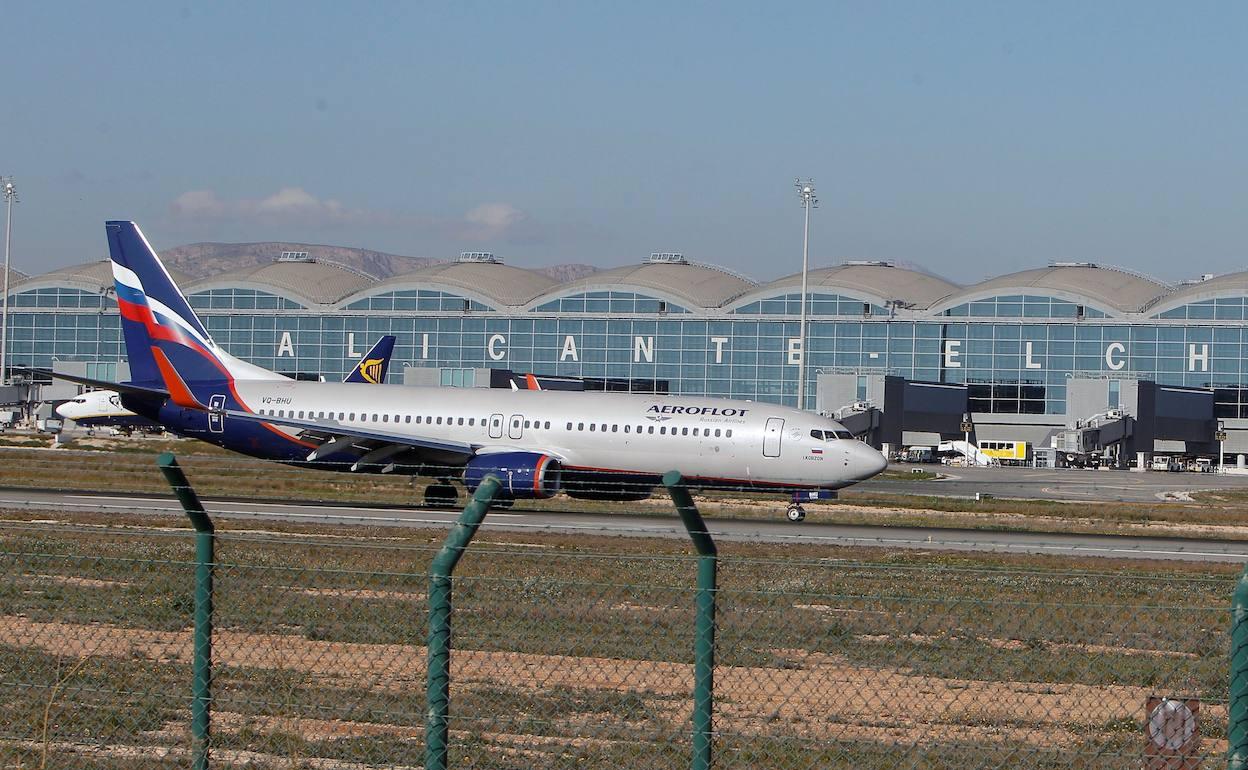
[(441, 495), (796, 512), (444, 494)]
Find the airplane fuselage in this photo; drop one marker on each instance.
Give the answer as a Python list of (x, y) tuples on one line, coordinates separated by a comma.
[(717, 442)]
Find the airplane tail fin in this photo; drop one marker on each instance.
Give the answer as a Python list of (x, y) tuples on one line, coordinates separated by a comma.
[(372, 368), (165, 342)]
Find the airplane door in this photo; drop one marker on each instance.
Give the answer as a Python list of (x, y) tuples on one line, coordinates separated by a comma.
[(496, 426), (771, 436), (515, 429), (216, 420)]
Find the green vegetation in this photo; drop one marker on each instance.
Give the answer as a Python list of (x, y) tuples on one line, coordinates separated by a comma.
[(576, 649), (127, 465)]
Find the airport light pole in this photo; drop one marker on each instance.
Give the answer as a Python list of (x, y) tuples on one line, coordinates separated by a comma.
[(1221, 437), (806, 191), (10, 197)]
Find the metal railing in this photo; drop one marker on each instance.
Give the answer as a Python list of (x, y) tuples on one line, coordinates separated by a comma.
[(317, 646)]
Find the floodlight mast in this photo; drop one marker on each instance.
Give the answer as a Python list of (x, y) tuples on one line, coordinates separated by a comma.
[(806, 191), (10, 197)]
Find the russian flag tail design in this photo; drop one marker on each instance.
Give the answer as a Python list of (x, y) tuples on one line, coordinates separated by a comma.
[(162, 334)]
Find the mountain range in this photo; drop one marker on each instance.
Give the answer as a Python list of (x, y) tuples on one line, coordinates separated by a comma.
[(201, 260)]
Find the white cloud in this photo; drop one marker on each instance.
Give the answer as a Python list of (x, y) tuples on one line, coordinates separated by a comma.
[(491, 220), (199, 203), (295, 206), (289, 204)]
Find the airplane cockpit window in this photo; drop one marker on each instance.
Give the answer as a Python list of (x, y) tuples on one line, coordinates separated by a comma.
[(830, 435)]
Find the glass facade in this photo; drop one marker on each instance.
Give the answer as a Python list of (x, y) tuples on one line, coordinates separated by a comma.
[(422, 300), (240, 299), (1014, 363), (818, 304), (609, 302), (1024, 306)]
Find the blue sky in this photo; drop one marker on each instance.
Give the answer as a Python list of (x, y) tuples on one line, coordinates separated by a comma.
[(970, 139)]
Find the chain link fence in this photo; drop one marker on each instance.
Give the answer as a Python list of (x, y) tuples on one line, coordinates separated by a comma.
[(577, 651)]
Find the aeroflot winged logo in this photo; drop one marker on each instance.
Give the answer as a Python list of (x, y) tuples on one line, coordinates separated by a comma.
[(661, 412), (370, 370)]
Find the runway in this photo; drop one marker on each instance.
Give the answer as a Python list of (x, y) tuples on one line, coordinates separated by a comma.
[(624, 524), (1068, 484)]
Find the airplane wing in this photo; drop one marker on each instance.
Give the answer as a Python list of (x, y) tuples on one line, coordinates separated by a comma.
[(334, 429), (376, 446)]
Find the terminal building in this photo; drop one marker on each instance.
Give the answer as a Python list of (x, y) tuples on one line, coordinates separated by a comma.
[(1036, 351)]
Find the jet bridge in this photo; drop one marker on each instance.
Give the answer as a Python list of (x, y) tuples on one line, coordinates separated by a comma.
[(1108, 430), (1144, 417), (882, 409)]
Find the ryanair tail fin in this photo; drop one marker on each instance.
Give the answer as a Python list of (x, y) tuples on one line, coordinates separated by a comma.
[(373, 366)]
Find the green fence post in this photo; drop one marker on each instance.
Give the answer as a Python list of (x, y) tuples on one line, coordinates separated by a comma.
[(704, 633), (1237, 705), (205, 560), (438, 689)]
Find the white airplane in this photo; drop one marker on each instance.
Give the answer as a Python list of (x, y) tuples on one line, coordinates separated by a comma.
[(103, 408), (610, 446)]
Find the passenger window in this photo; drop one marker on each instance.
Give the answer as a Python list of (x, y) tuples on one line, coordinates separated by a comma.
[(717, 433), (352, 416), (604, 428), (626, 428), (461, 421), (439, 421), (548, 425), (651, 431), (615, 429), (684, 431), (569, 426), (591, 427), (728, 433), (526, 424), (663, 430), (385, 418)]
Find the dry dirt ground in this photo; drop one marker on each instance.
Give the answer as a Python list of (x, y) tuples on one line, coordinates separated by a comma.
[(816, 696)]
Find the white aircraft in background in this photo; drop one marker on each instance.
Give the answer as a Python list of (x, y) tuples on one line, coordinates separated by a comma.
[(103, 409), (606, 446)]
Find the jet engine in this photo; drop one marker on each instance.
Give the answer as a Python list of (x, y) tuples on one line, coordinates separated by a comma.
[(524, 475)]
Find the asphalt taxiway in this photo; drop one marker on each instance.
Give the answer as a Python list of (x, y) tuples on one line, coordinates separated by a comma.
[(623, 524), (1068, 484)]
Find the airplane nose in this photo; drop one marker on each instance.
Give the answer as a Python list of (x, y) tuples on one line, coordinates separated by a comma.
[(868, 461)]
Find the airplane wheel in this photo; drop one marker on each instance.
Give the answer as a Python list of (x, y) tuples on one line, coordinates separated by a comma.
[(796, 513), (441, 496)]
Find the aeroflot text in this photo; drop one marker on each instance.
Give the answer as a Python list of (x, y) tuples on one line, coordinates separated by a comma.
[(706, 411)]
